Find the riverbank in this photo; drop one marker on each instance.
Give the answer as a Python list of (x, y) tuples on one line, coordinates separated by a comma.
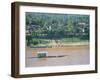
[(53, 44)]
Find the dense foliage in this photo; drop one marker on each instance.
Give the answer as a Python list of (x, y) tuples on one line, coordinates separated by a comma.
[(41, 27)]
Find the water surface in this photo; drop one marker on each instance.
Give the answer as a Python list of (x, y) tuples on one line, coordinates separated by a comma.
[(75, 55)]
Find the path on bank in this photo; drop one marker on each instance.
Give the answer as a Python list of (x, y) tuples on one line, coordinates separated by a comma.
[(53, 43)]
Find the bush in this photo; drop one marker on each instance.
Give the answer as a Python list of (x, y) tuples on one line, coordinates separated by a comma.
[(35, 41)]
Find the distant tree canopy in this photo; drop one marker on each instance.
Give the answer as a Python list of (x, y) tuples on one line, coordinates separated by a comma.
[(56, 26)]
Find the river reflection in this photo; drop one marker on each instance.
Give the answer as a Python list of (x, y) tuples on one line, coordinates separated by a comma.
[(75, 55)]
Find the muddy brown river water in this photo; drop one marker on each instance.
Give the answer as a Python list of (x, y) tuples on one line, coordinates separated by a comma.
[(74, 55)]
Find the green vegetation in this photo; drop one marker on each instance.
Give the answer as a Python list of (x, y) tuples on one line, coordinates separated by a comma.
[(64, 28)]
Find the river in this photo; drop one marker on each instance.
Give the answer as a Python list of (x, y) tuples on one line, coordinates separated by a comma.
[(74, 55)]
